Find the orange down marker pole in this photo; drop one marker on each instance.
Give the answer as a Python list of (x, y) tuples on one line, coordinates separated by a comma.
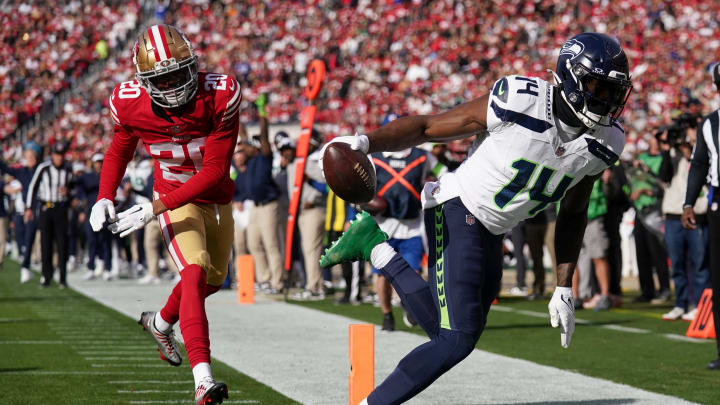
[(362, 362), (245, 271)]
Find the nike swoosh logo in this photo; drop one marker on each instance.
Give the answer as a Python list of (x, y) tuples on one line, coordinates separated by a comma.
[(568, 302), (501, 90)]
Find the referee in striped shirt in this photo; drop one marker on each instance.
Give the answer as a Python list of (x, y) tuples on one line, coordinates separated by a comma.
[(50, 188), (705, 167)]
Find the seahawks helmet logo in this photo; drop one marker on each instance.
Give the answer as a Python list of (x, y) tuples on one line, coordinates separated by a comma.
[(572, 47)]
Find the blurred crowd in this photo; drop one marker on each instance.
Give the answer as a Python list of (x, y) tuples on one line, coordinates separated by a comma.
[(400, 57), (48, 47), (405, 57)]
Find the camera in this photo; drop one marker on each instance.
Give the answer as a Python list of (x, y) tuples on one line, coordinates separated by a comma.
[(677, 129)]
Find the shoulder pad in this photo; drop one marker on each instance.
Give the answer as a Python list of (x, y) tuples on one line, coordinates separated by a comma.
[(226, 93), (124, 94), (517, 93)]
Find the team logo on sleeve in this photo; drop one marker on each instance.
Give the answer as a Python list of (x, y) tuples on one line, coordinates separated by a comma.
[(573, 48), (501, 90)]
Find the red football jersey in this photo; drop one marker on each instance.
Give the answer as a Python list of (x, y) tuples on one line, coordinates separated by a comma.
[(191, 146)]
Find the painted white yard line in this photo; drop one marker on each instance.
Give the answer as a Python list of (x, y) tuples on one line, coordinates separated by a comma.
[(31, 342), (129, 365), (227, 401), (70, 372), (109, 346), (625, 329), (151, 382), (155, 391), (115, 352), (147, 358), (118, 342), (617, 328), (682, 338)]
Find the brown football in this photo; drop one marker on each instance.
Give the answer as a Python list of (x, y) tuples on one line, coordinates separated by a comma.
[(349, 173)]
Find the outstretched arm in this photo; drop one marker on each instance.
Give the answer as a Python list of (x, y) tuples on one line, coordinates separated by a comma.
[(462, 121), (570, 229), (569, 232)]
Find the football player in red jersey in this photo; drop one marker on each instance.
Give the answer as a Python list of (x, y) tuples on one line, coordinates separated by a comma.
[(188, 122)]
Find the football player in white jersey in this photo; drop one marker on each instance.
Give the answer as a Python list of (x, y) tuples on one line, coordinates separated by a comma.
[(544, 143)]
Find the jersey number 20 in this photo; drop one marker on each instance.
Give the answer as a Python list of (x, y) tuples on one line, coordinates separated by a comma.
[(525, 170)]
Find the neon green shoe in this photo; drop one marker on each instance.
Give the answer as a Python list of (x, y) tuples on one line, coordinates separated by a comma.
[(356, 243)]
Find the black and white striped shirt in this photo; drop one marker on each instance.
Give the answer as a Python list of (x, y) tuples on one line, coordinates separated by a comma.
[(46, 183)]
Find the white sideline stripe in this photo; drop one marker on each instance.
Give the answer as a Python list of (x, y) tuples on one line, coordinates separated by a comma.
[(106, 352), (65, 372), (146, 358), (151, 382), (130, 365), (31, 342), (682, 338), (119, 342), (231, 401), (110, 347), (189, 391)]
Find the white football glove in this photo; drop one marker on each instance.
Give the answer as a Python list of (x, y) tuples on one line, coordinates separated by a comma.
[(357, 142), (102, 211), (562, 313), (132, 219)]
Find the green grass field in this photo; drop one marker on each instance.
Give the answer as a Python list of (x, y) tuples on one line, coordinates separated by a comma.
[(59, 347), (628, 345)]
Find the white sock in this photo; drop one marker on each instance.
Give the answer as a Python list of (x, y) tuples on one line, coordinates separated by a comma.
[(381, 255), (364, 402), (160, 324), (200, 372)]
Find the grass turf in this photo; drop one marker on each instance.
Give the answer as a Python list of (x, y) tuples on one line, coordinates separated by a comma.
[(649, 360), (60, 347)]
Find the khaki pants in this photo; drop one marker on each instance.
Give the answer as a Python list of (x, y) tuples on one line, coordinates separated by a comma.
[(3, 237), (153, 239), (263, 243), (311, 224), (240, 242)]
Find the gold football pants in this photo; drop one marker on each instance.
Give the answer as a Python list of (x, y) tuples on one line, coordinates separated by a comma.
[(200, 234)]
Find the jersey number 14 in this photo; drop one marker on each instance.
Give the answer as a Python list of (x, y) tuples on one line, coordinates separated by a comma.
[(525, 170)]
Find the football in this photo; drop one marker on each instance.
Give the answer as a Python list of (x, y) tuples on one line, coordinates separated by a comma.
[(349, 173)]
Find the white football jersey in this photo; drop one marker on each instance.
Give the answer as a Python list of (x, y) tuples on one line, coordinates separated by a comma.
[(522, 164)]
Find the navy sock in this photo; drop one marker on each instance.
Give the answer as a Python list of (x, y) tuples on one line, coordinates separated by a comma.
[(414, 292)]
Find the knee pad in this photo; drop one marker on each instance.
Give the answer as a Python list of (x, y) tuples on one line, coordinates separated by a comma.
[(458, 344)]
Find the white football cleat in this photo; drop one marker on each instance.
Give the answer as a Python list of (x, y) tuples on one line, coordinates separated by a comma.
[(689, 315), (166, 341), (148, 279), (210, 392), (25, 275)]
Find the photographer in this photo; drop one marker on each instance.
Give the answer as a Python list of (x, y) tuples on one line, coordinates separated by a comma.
[(686, 247), (646, 191)]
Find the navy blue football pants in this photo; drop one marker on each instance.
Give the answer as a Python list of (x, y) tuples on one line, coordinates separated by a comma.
[(465, 268)]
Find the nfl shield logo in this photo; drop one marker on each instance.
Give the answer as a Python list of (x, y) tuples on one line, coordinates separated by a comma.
[(560, 151), (469, 219)]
